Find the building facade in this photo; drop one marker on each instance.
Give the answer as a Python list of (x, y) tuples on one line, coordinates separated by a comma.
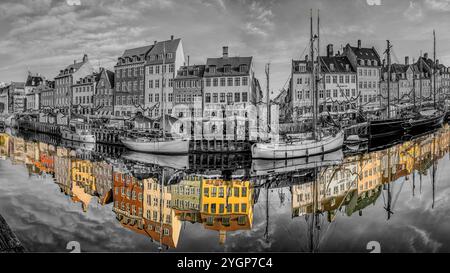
[(66, 78), (104, 94), (129, 81), (367, 64), (337, 87), (47, 97), (162, 64), (188, 91), (83, 91)]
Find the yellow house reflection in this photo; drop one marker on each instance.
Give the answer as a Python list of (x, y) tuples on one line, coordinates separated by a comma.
[(226, 205)]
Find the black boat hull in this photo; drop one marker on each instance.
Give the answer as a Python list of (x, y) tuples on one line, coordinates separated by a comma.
[(385, 128), (420, 126)]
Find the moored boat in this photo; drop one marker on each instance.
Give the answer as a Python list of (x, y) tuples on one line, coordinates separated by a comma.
[(156, 145), (79, 132)]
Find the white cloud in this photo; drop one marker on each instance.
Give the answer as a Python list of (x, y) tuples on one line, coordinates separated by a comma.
[(73, 2), (413, 12), (438, 5)]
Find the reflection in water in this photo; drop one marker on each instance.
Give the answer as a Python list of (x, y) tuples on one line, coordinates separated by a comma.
[(163, 198)]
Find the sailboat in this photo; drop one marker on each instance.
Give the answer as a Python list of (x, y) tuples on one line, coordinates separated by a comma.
[(322, 142), (161, 142), (430, 119)]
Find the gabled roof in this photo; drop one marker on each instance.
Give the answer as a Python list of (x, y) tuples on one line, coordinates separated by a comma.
[(110, 76), (190, 71), (139, 51), (233, 62), (169, 46), (340, 64), (365, 53)]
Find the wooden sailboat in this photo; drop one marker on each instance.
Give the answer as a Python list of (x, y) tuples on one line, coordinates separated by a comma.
[(163, 143), (321, 142)]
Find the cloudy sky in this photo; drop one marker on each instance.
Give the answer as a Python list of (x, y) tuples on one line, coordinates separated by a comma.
[(45, 35)]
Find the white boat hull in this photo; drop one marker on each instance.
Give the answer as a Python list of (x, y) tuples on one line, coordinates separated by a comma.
[(262, 167), (177, 162), (177, 146), (297, 149), (78, 137)]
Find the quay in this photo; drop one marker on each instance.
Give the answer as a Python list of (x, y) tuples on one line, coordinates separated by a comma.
[(9, 243)]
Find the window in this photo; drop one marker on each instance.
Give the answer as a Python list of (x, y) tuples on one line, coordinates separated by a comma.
[(244, 97), (334, 79), (157, 69), (222, 97), (222, 81), (245, 81), (229, 97), (215, 82), (230, 81), (208, 98), (237, 97), (156, 83), (215, 98)]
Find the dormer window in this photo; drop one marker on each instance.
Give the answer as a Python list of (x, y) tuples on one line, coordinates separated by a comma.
[(212, 69), (375, 63), (169, 55), (332, 67), (227, 68), (302, 68), (243, 68), (347, 67)]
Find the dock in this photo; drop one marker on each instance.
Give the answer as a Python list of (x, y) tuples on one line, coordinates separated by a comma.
[(9, 243)]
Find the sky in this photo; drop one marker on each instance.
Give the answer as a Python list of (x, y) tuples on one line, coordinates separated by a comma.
[(44, 36)]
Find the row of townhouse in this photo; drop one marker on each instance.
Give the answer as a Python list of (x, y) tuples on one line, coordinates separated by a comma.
[(356, 79)]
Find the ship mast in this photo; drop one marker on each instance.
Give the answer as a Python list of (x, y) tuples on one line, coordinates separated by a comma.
[(268, 97), (414, 86), (388, 52), (163, 70), (420, 79), (434, 69), (313, 79)]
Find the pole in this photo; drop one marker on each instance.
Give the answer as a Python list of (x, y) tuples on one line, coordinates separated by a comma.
[(162, 91), (420, 78), (268, 97), (434, 69), (313, 78), (388, 52)]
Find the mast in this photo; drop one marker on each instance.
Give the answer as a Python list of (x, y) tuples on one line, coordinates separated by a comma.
[(420, 79), (434, 69), (268, 96), (313, 78), (318, 69), (163, 70), (414, 85), (388, 52)]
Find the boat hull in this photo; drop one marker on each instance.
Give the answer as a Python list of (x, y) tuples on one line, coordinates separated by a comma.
[(297, 149), (77, 137), (385, 128), (424, 124), (177, 146)]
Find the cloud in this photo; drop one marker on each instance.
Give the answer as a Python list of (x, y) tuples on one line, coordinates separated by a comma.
[(413, 12), (260, 19), (73, 2), (438, 5)]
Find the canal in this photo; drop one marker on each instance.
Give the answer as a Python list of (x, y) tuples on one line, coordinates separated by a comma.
[(107, 199)]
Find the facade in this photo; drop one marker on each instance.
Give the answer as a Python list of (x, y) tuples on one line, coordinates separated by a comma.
[(83, 91), (5, 99), (66, 78), (32, 82), (32, 100), (129, 81), (401, 83), (367, 64), (103, 179), (229, 81), (17, 96), (337, 87), (155, 71), (47, 95), (104, 94), (188, 91)]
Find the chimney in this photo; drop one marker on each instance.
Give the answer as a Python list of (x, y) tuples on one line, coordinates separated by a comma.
[(155, 42), (425, 55), (437, 61), (171, 37), (85, 58), (225, 51), (406, 60), (359, 44), (188, 60), (330, 50)]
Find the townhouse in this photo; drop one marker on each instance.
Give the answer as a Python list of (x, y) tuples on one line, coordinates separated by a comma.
[(104, 94)]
